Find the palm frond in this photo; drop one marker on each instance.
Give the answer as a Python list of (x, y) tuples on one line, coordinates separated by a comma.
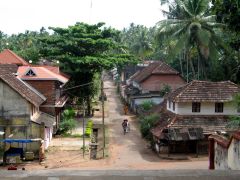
[(200, 6), (213, 54), (211, 18), (170, 21), (204, 37), (182, 5), (216, 25), (179, 46)]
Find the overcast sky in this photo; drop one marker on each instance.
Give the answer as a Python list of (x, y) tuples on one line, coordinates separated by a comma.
[(20, 15)]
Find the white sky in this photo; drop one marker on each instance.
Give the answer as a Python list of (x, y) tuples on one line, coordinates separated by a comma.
[(20, 15)]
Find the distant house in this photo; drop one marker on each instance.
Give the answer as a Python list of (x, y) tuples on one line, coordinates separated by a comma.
[(9, 57), (224, 153), (147, 83), (20, 115), (130, 70), (49, 81), (199, 104)]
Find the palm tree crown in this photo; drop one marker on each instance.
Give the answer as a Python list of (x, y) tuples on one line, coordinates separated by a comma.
[(190, 26)]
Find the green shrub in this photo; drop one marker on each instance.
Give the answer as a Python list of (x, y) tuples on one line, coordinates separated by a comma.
[(234, 122), (88, 130), (147, 123), (166, 89), (147, 105), (67, 125)]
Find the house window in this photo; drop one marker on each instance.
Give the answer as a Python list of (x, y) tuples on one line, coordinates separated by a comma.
[(218, 107), (173, 106), (196, 107), (169, 104), (30, 73)]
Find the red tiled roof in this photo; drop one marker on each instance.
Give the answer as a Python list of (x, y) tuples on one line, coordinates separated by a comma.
[(157, 67), (9, 57), (42, 73), (24, 89), (205, 91)]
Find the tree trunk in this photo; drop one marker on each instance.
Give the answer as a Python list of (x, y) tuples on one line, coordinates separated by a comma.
[(89, 106), (181, 66), (193, 70)]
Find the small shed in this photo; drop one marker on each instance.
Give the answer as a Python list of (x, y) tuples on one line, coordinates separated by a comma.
[(179, 140)]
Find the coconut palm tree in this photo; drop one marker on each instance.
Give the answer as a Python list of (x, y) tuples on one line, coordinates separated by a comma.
[(190, 28)]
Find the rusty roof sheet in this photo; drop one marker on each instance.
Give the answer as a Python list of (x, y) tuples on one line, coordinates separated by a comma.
[(24, 89), (157, 67), (205, 91), (184, 134)]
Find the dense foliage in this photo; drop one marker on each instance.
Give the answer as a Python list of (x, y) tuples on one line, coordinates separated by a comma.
[(147, 123), (146, 105), (84, 51), (68, 122)]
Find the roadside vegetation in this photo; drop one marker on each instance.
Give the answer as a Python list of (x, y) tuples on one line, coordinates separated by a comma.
[(68, 122)]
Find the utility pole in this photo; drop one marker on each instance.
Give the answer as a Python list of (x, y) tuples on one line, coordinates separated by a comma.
[(83, 128), (103, 114)]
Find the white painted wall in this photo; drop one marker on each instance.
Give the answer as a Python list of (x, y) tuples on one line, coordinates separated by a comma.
[(207, 108), (221, 157), (234, 155)]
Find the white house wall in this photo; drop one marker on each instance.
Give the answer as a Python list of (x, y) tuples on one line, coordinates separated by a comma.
[(234, 155), (206, 109), (221, 157)]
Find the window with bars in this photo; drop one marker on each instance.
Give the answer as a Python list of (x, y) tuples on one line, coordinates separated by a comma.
[(218, 107), (196, 107)]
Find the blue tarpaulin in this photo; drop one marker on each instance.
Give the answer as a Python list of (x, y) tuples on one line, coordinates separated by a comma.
[(16, 140)]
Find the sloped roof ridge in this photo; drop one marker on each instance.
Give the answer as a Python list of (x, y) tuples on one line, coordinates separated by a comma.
[(12, 81), (183, 88), (32, 88), (16, 56), (52, 73), (205, 90)]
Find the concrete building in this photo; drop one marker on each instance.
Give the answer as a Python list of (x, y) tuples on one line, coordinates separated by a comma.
[(224, 153), (20, 117)]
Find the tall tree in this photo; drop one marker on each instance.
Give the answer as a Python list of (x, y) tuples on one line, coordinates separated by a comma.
[(228, 12), (83, 51), (138, 40), (191, 29)]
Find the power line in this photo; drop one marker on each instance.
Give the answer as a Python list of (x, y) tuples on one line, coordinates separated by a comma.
[(81, 85)]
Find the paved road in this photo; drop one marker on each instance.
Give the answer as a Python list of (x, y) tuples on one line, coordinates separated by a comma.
[(121, 175)]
